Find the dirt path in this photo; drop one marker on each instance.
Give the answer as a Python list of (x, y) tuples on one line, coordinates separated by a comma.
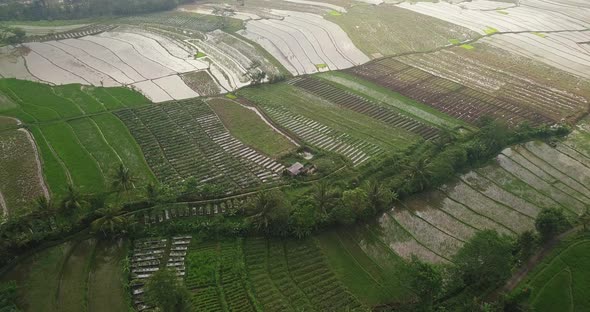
[(539, 256)]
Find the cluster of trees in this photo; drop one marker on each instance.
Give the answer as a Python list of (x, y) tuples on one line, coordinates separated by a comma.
[(8, 297), (76, 9), (11, 35), (165, 291), (424, 165), (482, 265), (430, 164), (271, 213)]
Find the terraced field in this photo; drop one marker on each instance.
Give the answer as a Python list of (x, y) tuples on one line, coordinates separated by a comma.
[(559, 282), (505, 196), (182, 140), (78, 139), (86, 151), (508, 77), (35, 102), (328, 126), (436, 66), (250, 128), (445, 95), (366, 26), (149, 53), (546, 31), (62, 277), (304, 43), (294, 276), (360, 105)]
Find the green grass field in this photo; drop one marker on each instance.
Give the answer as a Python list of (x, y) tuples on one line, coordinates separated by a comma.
[(82, 166), (36, 102), (56, 173), (562, 281), (249, 128), (76, 149), (89, 149)]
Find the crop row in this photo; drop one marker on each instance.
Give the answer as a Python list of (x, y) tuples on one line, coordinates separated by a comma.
[(184, 140), (75, 33), (162, 214), (201, 277), (482, 73), (313, 276), (294, 276), (151, 255), (319, 135), (305, 43), (187, 22), (449, 97), (233, 277), (363, 106), (266, 290), (215, 277)]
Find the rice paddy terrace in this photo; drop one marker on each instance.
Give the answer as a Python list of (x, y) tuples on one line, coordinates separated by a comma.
[(181, 99)]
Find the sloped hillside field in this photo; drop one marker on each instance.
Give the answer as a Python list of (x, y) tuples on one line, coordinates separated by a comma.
[(297, 155), (78, 139), (458, 97), (187, 139), (559, 282)]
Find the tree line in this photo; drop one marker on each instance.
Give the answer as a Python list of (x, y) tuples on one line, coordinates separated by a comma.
[(341, 200), (77, 9)]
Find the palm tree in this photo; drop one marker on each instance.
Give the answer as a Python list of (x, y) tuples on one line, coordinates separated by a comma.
[(151, 192), (44, 205), (445, 137), (378, 197), (123, 179), (324, 196), (110, 222), (262, 205), (73, 200), (270, 209), (419, 173)]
